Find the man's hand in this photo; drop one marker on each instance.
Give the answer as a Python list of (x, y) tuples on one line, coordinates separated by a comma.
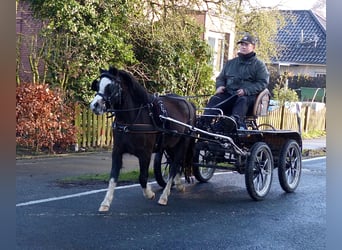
[(220, 90), (240, 92)]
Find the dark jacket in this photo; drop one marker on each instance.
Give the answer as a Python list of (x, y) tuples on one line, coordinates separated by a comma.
[(244, 72)]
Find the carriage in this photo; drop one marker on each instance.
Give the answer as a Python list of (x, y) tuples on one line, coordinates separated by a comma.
[(254, 152), (172, 128)]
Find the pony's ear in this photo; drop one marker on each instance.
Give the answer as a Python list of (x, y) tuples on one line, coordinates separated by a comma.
[(95, 85), (112, 70)]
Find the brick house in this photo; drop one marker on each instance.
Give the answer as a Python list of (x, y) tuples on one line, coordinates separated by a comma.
[(27, 29)]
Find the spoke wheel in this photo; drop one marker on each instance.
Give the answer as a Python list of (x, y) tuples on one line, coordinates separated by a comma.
[(259, 171), (161, 168), (203, 174), (290, 166)]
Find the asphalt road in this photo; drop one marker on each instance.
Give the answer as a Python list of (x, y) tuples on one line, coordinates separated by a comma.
[(214, 215)]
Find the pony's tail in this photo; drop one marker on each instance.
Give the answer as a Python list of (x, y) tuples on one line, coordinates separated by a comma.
[(188, 163), (188, 166)]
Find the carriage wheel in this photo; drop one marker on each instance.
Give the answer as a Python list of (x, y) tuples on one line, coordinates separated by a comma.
[(203, 174), (290, 166), (161, 168), (259, 171)]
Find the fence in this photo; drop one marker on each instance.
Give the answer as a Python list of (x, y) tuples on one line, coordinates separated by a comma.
[(93, 130), (312, 119), (96, 131)]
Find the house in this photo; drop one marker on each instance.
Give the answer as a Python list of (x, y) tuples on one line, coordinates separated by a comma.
[(219, 32), (302, 44)]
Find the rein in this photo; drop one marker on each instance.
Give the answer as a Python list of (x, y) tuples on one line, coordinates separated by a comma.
[(126, 110)]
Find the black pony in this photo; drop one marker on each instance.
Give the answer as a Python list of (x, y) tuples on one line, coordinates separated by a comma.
[(139, 131)]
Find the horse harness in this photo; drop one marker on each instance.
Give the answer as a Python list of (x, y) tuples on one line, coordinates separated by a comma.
[(155, 108)]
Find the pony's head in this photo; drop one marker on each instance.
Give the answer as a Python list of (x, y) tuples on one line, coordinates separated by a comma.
[(108, 91)]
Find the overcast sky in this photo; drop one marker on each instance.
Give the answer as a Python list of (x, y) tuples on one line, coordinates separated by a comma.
[(287, 4), (290, 4)]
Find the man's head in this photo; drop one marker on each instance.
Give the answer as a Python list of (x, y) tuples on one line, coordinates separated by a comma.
[(247, 44)]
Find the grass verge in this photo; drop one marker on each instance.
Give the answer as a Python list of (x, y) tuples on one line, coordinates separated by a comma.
[(86, 179)]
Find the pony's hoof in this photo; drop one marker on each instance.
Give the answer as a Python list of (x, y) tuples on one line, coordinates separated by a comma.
[(181, 188), (149, 195), (152, 196), (162, 202), (103, 208)]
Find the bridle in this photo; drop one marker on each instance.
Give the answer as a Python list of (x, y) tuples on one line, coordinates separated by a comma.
[(115, 91), (116, 96)]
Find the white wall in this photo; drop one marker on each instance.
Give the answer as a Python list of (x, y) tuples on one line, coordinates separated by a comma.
[(310, 70)]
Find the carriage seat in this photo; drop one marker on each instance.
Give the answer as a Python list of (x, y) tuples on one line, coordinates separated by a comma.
[(260, 108)]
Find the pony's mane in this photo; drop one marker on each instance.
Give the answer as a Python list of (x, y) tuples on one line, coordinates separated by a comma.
[(134, 87)]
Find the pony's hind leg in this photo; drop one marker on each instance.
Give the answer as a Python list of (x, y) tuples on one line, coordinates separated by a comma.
[(148, 193), (144, 163), (178, 183), (167, 190)]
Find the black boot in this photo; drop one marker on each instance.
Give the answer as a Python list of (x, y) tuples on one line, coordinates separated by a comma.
[(204, 123)]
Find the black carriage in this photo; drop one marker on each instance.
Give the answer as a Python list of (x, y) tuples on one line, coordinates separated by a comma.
[(254, 152)]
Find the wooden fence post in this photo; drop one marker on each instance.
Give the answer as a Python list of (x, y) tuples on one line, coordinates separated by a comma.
[(89, 128), (99, 129), (77, 125), (306, 118), (282, 116), (94, 129), (299, 122), (109, 132), (84, 128)]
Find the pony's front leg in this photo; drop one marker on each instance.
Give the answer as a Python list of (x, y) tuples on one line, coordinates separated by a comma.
[(105, 204), (114, 175)]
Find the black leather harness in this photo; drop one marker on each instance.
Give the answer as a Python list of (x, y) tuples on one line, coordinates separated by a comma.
[(157, 125)]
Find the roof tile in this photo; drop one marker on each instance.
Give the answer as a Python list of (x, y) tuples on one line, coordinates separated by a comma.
[(303, 39)]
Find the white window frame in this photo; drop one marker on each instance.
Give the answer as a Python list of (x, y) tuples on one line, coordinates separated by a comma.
[(217, 39)]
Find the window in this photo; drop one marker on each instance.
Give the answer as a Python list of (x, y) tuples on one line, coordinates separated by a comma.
[(320, 75), (217, 43)]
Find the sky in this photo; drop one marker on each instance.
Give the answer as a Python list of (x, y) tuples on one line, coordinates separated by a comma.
[(290, 4)]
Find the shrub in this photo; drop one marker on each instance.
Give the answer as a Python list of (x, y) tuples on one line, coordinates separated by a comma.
[(281, 91), (44, 120)]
